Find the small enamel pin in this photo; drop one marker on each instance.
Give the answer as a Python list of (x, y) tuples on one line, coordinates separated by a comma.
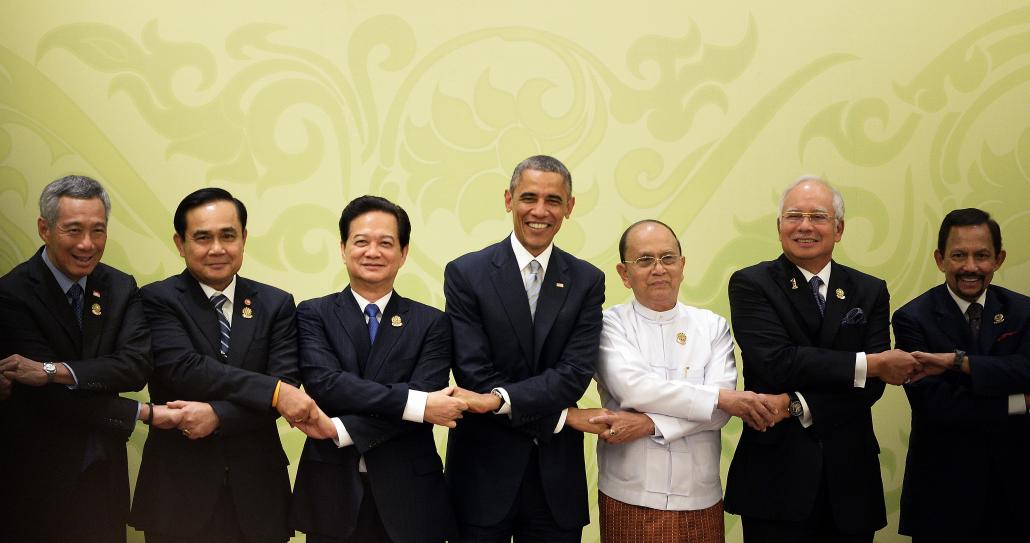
[(247, 312), (395, 321), (560, 285), (95, 309), (96, 293), (681, 338), (246, 301), (999, 318), (840, 294), (793, 284)]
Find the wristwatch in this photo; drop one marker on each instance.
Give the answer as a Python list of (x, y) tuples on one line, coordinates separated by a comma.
[(50, 369), (957, 364), (500, 396), (794, 407)]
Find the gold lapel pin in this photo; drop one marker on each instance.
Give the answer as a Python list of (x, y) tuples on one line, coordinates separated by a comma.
[(999, 318), (95, 309), (793, 284), (840, 294), (395, 321), (681, 338), (560, 285), (247, 312)]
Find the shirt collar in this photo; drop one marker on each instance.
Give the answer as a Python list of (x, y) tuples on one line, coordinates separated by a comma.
[(522, 256), (381, 302), (963, 305), (652, 315), (229, 292), (63, 280), (823, 274)]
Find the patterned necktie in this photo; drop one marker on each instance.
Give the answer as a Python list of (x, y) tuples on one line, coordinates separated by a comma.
[(372, 310), (815, 282), (533, 281), (218, 300), (75, 297), (974, 312)]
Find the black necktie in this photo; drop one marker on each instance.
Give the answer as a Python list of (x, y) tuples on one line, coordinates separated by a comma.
[(974, 312), (75, 297), (373, 325), (218, 300), (815, 282)]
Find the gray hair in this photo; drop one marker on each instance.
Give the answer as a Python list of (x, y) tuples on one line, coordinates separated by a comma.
[(541, 163), (79, 187), (838, 198)]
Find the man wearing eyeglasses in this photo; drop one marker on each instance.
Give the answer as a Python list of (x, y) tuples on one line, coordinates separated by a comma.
[(667, 375), (818, 331)]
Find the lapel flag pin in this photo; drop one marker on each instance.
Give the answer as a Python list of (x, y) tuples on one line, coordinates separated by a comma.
[(681, 338), (999, 318), (95, 309), (96, 293), (246, 301), (395, 321), (560, 285), (793, 284), (840, 294), (247, 312)]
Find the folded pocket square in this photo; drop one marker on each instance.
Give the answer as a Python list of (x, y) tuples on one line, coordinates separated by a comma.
[(854, 316), (1006, 335)]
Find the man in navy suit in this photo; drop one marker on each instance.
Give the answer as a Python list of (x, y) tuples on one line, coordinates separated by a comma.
[(527, 325), (818, 331), (967, 472), (225, 356), (378, 364)]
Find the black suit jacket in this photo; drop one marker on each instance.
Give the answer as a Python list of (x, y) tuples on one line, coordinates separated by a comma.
[(966, 454), (545, 365), (786, 346), (47, 429), (366, 385), (179, 479)]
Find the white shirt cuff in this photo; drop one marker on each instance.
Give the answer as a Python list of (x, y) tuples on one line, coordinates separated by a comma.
[(342, 438), (506, 408), (1017, 404), (75, 378), (561, 420), (806, 415), (415, 408), (861, 369)]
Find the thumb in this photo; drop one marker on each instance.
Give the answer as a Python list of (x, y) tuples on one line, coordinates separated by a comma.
[(447, 391), (177, 404)]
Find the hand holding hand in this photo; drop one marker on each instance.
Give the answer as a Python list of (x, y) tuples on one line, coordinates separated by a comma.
[(579, 419), (17, 368), (476, 402), (320, 427), (624, 426), (199, 419), (295, 405), (5, 387), (750, 407), (894, 366), (443, 409), (166, 418)]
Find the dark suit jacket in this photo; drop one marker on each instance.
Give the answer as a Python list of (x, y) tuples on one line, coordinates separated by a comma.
[(46, 429), (179, 479), (545, 366), (367, 386), (968, 460), (785, 346)]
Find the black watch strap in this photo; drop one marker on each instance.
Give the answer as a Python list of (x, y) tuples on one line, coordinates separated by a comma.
[(957, 363)]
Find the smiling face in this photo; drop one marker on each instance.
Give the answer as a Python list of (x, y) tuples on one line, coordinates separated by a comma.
[(539, 204), (807, 244), (657, 286), (213, 243), (372, 253), (969, 260), (76, 240)]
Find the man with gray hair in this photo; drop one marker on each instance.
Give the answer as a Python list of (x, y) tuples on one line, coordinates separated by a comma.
[(74, 337), (818, 331)]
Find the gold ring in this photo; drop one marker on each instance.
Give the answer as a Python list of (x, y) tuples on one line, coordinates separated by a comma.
[(612, 431), (186, 432), (298, 420)]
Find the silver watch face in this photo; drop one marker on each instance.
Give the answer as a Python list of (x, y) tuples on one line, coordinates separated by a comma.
[(49, 367), (795, 408)]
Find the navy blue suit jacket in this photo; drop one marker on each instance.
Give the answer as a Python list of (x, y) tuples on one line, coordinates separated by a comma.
[(180, 479), (786, 346), (966, 454), (545, 365), (367, 385)]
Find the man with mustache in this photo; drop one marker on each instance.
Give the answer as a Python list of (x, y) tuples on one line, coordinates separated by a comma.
[(966, 476)]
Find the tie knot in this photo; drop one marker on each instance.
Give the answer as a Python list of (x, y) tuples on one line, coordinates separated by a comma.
[(815, 282), (75, 292), (218, 300), (534, 266), (974, 311), (372, 310)]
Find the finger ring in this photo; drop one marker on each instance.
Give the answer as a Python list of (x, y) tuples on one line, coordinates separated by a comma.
[(612, 431), (908, 380), (298, 420), (186, 432)]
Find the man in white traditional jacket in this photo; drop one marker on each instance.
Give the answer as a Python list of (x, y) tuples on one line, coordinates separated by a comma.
[(666, 377)]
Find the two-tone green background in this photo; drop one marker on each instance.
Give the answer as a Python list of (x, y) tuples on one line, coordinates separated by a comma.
[(694, 113)]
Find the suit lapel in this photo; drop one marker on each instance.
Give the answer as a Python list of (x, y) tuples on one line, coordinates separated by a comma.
[(387, 336), (199, 308), (950, 319), (242, 330), (94, 319), (550, 301), (840, 280), (990, 329), (787, 276), (507, 282), (55, 301), (352, 321)]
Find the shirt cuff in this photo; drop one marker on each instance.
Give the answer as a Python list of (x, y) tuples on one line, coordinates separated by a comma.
[(76, 379), (139, 407), (806, 415), (561, 420), (1017, 404), (342, 438), (658, 431), (506, 408), (415, 408), (861, 369)]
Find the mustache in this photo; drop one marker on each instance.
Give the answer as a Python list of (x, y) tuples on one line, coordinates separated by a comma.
[(971, 276)]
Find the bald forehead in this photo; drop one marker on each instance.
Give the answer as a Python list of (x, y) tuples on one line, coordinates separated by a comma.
[(649, 232)]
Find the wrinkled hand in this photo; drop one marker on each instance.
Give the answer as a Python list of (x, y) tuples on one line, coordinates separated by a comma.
[(895, 366), (476, 402), (295, 405), (443, 409), (757, 412), (199, 419), (932, 364), (579, 419), (320, 427), (17, 368), (166, 417), (624, 426), (5, 387)]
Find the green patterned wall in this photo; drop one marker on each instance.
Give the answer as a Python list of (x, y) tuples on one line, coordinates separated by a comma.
[(694, 113)]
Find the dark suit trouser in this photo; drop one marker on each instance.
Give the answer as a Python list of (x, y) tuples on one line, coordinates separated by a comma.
[(370, 527), (222, 527), (819, 527), (530, 519), (91, 517)]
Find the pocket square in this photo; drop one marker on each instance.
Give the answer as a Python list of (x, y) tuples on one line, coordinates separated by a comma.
[(854, 316), (1006, 335)]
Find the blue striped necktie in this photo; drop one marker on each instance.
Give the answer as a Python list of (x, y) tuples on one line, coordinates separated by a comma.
[(218, 300), (372, 310), (816, 282)]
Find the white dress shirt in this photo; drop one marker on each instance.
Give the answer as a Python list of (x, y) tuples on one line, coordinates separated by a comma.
[(669, 365)]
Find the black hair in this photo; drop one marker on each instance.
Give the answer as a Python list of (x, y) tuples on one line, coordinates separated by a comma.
[(203, 196), (364, 204), (969, 216)]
